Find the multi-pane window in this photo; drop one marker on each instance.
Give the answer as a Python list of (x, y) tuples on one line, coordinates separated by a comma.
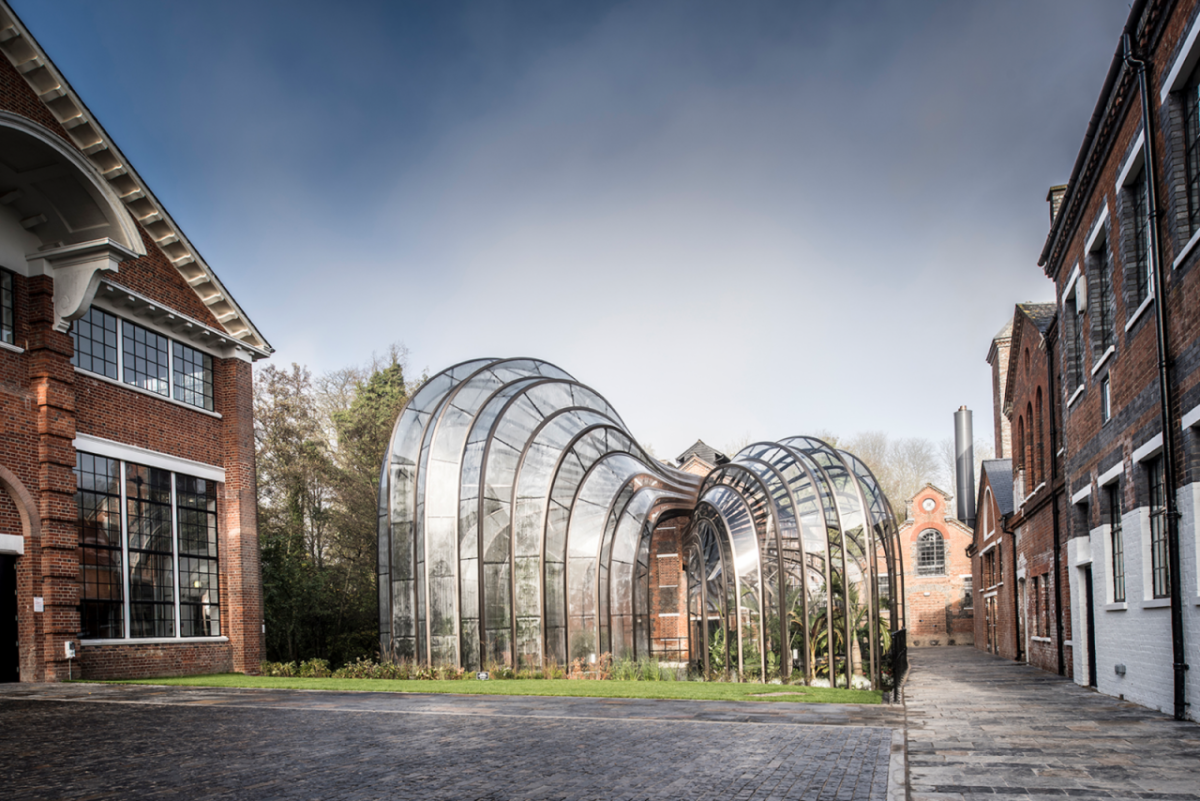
[(6, 306), (1104, 299), (1191, 135), (146, 360), (1159, 568), (98, 499), (931, 554), (968, 590), (127, 352), (1037, 606), (1105, 400), (1077, 345), (163, 568), (1117, 546), (196, 504), (1141, 240), (95, 335), (151, 551), (193, 376)]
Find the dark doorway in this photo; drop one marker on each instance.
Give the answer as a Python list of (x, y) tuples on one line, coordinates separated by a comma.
[(10, 660), (1091, 625)]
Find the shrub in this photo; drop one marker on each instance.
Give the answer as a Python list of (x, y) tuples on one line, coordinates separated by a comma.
[(314, 669)]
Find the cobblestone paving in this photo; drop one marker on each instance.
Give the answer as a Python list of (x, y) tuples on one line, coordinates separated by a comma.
[(88, 741), (980, 727)]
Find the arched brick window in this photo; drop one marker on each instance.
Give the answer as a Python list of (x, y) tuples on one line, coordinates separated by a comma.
[(1020, 443), (1030, 452), (931, 553), (1040, 444)]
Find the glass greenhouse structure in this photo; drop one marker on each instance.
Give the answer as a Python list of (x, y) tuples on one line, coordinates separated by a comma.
[(516, 514)]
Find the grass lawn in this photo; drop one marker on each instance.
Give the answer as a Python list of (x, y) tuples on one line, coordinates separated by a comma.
[(690, 690)]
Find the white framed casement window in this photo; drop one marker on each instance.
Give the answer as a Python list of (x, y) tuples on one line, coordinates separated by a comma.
[(1134, 190), (1074, 308), (124, 352)]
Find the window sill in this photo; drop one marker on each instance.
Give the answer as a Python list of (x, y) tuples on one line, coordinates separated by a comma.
[(1119, 606), (1156, 603), (1187, 251), (1075, 395), (13, 348), (1133, 318), (1104, 358), (1040, 639), (155, 641), (147, 393)]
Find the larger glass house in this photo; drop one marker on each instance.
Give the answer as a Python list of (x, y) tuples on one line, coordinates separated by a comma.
[(519, 519)]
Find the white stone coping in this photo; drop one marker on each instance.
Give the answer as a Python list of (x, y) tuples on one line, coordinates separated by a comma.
[(1133, 318), (1156, 603), (1104, 358), (1083, 496), (1149, 448), (1190, 418), (156, 641), (132, 453), (1111, 475), (6, 346), (12, 544)]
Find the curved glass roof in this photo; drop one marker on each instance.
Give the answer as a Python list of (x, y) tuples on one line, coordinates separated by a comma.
[(515, 518)]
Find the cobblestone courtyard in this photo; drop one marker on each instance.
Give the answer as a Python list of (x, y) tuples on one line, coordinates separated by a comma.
[(135, 742)]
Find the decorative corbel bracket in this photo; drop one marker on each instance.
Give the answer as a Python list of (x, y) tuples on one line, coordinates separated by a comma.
[(77, 270)]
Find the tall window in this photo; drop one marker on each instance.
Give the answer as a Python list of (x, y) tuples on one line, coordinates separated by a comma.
[(1104, 299), (1077, 344), (1037, 606), (931, 554), (98, 499), (1118, 547), (127, 352), (170, 538), (1105, 400), (1141, 239), (968, 601), (1191, 135), (1159, 566), (6, 306)]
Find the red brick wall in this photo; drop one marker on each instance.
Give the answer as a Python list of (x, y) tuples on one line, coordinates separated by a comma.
[(44, 403), (668, 591), (937, 607), (100, 662)]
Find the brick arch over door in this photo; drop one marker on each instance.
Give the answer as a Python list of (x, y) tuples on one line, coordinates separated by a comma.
[(31, 526)]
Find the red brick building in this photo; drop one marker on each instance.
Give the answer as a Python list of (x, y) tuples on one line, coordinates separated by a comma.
[(937, 572), (127, 520), (1019, 549)]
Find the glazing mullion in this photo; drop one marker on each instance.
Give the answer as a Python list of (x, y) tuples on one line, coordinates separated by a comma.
[(124, 544), (175, 554)]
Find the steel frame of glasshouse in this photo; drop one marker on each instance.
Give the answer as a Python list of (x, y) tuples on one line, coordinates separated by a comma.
[(515, 518)]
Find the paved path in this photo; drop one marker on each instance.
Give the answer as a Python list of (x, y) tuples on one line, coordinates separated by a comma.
[(103, 741), (980, 727)]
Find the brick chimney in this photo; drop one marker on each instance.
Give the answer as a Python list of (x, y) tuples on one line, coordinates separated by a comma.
[(1055, 197)]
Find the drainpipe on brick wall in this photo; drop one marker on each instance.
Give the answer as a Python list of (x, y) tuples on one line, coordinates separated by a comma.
[(1055, 491), (1170, 513)]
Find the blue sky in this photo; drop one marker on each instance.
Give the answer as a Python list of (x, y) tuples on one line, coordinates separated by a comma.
[(732, 219)]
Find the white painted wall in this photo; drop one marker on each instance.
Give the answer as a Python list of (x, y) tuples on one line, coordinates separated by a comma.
[(1137, 633)]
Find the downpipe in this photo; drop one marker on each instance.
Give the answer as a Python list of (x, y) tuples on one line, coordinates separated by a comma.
[(1179, 662)]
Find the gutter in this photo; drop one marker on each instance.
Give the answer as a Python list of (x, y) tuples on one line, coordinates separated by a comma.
[(1169, 513), (1115, 69)]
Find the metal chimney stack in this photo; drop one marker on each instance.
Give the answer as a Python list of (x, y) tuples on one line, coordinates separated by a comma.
[(964, 465)]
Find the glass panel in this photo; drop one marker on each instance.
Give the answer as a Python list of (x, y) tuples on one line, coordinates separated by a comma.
[(95, 336), (97, 497), (145, 358), (193, 375)]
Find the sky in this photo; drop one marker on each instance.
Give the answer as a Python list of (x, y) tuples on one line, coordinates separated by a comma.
[(736, 221)]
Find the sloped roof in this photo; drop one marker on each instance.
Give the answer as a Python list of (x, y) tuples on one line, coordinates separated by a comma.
[(999, 476), (702, 451), (1042, 314), (86, 133)]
